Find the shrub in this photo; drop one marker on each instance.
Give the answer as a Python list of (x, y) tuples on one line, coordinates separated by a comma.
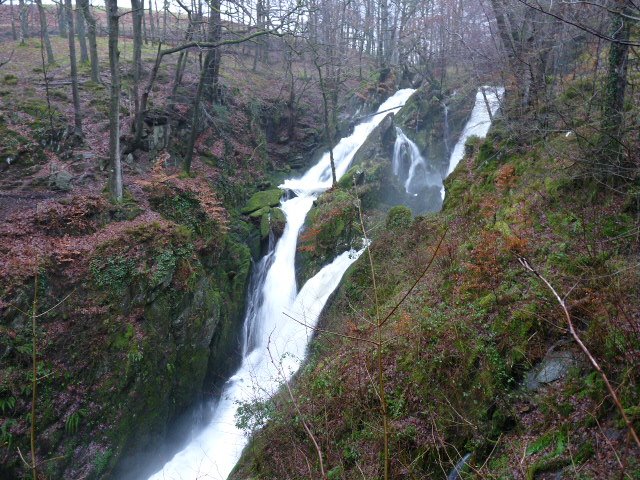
[(399, 218)]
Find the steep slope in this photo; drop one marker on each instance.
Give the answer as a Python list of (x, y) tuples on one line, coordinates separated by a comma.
[(477, 359)]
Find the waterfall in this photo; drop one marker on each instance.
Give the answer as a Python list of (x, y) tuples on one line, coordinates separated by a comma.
[(274, 344), (410, 166), (478, 123), (417, 175)]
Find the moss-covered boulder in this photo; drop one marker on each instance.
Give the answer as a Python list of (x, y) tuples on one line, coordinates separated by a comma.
[(332, 227), (260, 200)]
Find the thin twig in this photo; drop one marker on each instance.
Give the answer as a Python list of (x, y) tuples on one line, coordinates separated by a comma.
[(295, 405), (424, 272)]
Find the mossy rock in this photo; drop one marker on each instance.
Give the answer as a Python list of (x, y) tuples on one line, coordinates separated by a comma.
[(267, 198), (278, 221), (260, 212), (264, 225)]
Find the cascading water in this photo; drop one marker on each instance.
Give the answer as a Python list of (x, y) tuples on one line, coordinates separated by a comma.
[(410, 166), (479, 122), (418, 176), (274, 343), (445, 132)]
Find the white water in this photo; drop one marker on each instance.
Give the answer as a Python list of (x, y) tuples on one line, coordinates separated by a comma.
[(274, 344), (409, 165), (479, 122), (446, 128)]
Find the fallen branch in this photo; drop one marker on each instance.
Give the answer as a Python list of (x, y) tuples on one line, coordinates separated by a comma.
[(583, 347)]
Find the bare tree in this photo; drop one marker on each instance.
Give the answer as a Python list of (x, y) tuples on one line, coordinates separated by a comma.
[(82, 34), (14, 35), (152, 26), (136, 67), (93, 43), (615, 86), (24, 21), (115, 165), (62, 19)]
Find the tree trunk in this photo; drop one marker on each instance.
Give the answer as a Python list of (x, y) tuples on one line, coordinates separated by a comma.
[(138, 13), (45, 32), (115, 166), (328, 130), (195, 116), (93, 44), (259, 27), (213, 57), (182, 58), (144, 23), (24, 24), (82, 34), (151, 23), (62, 21), (615, 87), (14, 34), (77, 116), (164, 21), (383, 42)]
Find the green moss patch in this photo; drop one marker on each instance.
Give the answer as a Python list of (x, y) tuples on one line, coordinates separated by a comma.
[(266, 198)]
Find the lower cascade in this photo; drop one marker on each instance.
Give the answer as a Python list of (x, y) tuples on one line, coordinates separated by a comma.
[(279, 321)]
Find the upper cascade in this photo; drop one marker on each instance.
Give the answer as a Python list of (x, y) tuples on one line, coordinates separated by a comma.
[(487, 100), (318, 178)]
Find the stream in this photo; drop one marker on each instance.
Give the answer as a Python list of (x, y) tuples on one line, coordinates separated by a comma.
[(280, 319), (274, 344)]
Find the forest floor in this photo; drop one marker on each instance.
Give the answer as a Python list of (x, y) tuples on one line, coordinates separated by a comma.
[(233, 154)]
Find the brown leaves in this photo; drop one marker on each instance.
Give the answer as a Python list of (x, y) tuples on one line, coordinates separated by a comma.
[(74, 217), (505, 178)]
